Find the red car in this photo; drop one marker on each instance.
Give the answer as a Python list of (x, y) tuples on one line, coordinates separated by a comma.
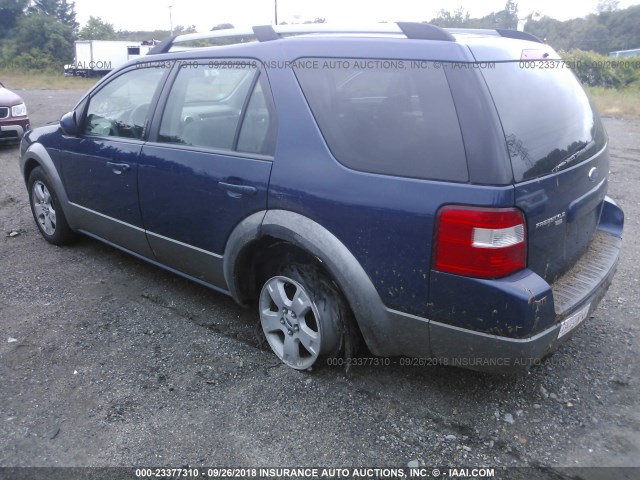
[(14, 121)]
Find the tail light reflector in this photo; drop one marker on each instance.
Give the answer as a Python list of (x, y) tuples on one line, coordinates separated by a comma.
[(480, 242)]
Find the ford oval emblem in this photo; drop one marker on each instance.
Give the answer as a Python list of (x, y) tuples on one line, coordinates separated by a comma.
[(593, 174)]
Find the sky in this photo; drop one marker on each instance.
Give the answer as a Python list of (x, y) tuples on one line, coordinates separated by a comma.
[(150, 15)]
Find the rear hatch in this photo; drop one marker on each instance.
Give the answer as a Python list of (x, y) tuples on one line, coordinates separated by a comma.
[(557, 147)]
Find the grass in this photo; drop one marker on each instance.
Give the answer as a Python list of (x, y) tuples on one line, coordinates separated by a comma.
[(624, 102), (45, 81)]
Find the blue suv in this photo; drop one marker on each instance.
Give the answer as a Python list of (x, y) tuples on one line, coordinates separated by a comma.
[(430, 193)]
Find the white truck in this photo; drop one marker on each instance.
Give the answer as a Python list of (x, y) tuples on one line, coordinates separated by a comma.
[(98, 57)]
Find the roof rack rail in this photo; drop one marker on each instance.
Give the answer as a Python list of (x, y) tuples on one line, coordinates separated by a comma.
[(517, 34), (425, 31), (498, 32), (163, 47), (265, 33)]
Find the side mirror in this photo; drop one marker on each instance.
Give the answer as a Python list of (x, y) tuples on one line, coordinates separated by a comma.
[(68, 124)]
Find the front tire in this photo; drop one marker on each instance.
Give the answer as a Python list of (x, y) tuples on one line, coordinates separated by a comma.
[(303, 316), (46, 209)]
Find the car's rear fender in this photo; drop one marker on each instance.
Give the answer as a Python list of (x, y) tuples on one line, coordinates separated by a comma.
[(524, 304), (381, 327)]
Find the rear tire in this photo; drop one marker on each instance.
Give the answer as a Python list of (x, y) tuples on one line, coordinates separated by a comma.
[(46, 209), (303, 316)]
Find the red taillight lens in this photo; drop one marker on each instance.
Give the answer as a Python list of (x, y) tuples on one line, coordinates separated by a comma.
[(480, 242)]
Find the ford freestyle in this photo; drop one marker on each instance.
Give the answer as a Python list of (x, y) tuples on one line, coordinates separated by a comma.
[(430, 193)]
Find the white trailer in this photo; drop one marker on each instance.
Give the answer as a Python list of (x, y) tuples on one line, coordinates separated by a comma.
[(98, 57)]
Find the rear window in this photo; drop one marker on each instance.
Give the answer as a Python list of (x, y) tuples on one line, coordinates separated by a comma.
[(385, 117), (548, 121)]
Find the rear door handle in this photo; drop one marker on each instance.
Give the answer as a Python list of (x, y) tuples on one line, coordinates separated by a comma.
[(237, 190), (118, 168)]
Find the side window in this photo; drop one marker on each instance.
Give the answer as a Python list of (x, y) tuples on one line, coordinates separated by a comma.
[(257, 133), (387, 117), (120, 108), (205, 105), (356, 84)]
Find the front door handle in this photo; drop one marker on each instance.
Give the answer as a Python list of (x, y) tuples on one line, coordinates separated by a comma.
[(118, 168), (236, 190)]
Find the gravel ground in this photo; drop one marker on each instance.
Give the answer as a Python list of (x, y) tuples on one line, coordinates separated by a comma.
[(108, 361)]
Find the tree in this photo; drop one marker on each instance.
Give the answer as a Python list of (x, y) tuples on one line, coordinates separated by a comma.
[(223, 26), (459, 18), (508, 18), (607, 6), (136, 36), (605, 32), (587, 34), (10, 13), (316, 20), (61, 9), (505, 18), (42, 41), (96, 29), (181, 29), (546, 28)]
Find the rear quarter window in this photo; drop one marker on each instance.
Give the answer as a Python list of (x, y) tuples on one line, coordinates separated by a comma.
[(386, 117)]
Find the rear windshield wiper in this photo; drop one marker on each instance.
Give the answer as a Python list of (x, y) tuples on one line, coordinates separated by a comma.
[(573, 156)]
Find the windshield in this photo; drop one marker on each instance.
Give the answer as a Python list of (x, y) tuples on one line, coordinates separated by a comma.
[(548, 121)]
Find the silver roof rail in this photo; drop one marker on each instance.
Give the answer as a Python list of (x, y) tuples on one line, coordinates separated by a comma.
[(498, 32), (266, 33)]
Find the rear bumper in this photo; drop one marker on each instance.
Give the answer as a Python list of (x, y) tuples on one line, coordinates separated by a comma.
[(468, 329), (576, 296)]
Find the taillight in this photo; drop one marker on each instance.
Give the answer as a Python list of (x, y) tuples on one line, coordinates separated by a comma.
[(480, 242)]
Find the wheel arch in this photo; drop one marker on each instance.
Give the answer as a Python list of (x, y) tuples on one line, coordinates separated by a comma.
[(300, 235), (37, 156), (29, 165)]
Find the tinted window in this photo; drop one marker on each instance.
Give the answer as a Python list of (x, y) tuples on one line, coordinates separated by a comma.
[(547, 118), (386, 117), (121, 107), (205, 106), (257, 132)]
